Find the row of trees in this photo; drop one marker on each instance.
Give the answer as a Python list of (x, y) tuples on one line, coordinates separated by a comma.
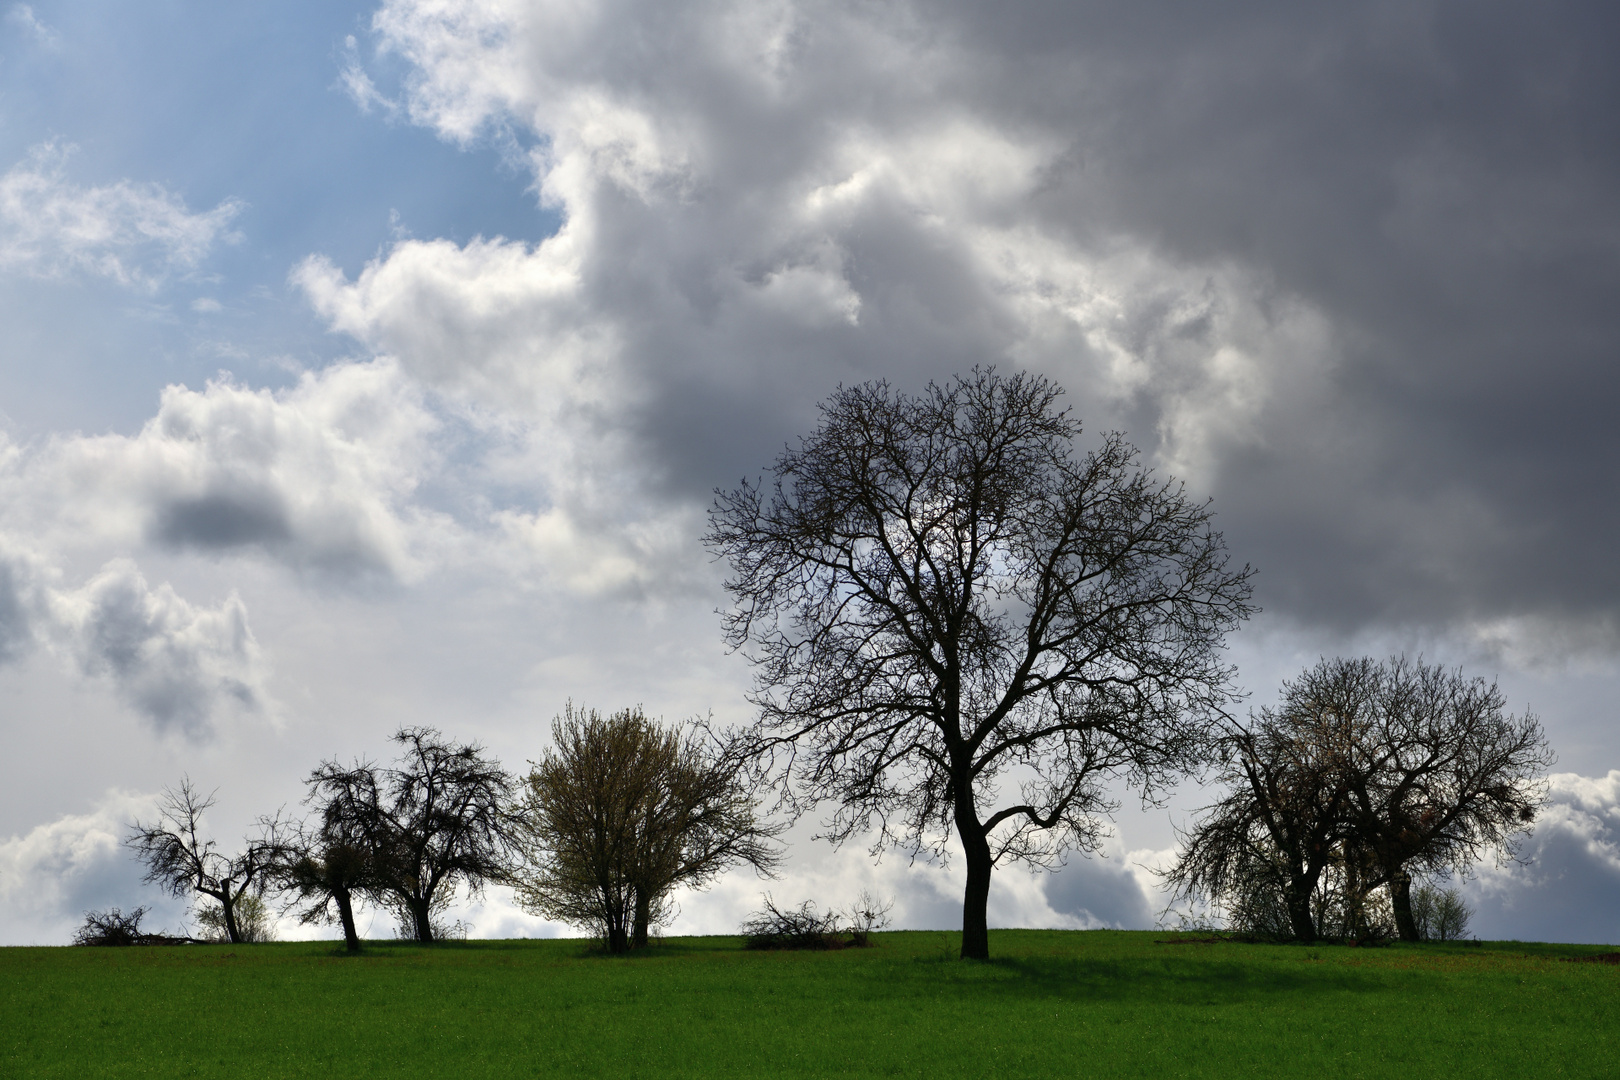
[(619, 813), (1366, 776), (960, 627)]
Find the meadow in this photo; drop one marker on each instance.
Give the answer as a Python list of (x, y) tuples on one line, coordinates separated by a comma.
[(1051, 1003)]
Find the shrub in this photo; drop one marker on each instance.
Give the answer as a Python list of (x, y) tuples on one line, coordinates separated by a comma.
[(111, 927), (1440, 914), (867, 915), (253, 921), (804, 927)]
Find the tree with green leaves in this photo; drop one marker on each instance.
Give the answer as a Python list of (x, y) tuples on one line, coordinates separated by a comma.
[(620, 812)]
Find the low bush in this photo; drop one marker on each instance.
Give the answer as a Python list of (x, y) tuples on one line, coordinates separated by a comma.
[(113, 927), (804, 927)]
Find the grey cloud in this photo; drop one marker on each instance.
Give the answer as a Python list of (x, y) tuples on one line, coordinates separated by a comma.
[(16, 622), (1099, 893), (175, 664), (1565, 887), (222, 520), (1432, 185)]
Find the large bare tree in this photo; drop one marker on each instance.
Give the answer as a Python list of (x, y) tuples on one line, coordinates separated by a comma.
[(938, 592), (435, 818), (182, 861)]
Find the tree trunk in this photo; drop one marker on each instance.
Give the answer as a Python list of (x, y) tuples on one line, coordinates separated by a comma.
[(618, 941), (1298, 902), (227, 906), (345, 906), (638, 939), (422, 917), (1400, 901), (976, 900)]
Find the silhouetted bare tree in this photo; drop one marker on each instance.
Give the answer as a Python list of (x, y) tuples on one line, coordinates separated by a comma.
[(183, 863), (1283, 820), (936, 590), (435, 818), (1439, 775)]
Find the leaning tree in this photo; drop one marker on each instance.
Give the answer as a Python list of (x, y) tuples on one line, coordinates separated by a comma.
[(183, 862), (938, 592), (327, 870), (435, 818)]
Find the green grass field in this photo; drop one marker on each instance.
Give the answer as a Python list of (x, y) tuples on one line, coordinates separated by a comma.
[(1053, 1003)]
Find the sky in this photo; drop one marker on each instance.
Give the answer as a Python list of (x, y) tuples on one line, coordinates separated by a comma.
[(370, 365)]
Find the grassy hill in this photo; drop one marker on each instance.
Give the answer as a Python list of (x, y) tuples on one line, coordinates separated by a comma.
[(1052, 1003)]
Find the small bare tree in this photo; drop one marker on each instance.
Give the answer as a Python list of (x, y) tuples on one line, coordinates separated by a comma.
[(435, 819), (182, 862), (937, 592)]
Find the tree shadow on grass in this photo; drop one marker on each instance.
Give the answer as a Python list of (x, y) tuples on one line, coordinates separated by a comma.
[(1166, 981)]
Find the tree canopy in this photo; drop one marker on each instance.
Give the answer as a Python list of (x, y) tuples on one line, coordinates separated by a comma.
[(939, 593), (620, 811), (434, 819)]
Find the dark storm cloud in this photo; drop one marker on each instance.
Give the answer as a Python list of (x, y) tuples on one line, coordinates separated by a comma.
[(1434, 185), (1443, 182)]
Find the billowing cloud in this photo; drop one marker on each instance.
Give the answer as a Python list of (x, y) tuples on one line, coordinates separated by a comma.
[(1278, 282), (1103, 893), (178, 665), (321, 476), (1566, 887), (54, 873), (136, 234)]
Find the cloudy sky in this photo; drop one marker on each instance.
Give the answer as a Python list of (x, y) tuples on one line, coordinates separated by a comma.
[(373, 365)]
